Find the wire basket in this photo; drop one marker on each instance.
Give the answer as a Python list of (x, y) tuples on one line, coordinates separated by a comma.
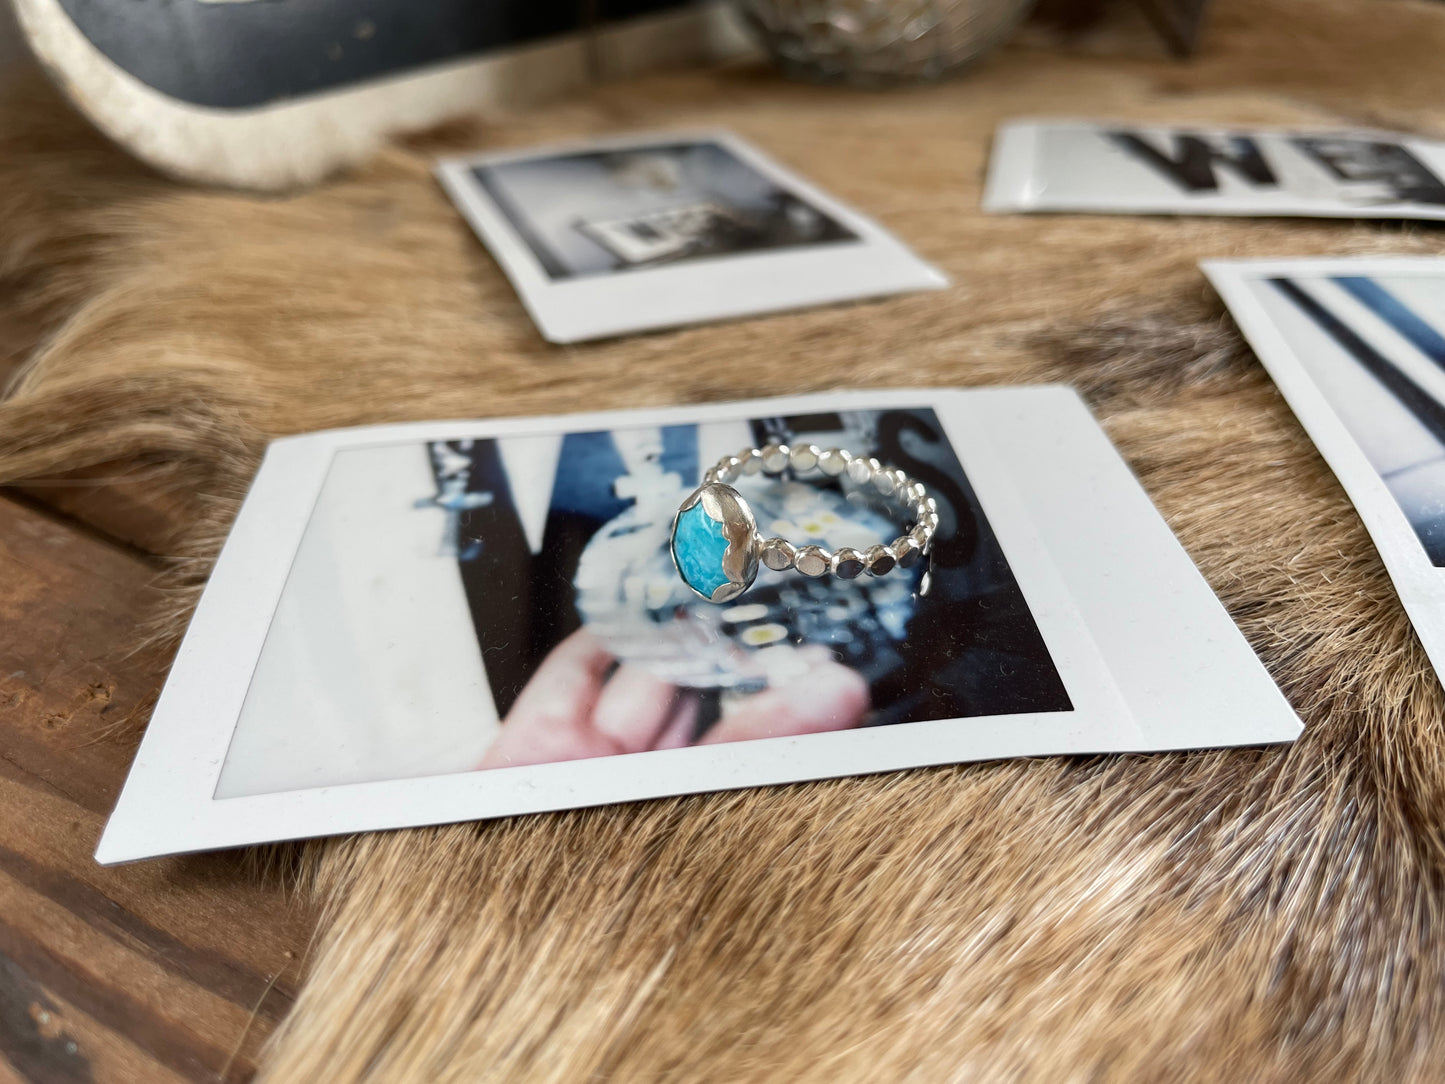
[(880, 42)]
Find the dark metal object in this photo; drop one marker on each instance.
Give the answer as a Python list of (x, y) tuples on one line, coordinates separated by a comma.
[(1178, 22)]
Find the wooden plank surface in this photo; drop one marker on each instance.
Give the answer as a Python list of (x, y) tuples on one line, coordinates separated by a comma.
[(172, 970)]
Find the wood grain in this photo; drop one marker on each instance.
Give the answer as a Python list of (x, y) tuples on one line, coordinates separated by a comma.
[(164, 971)]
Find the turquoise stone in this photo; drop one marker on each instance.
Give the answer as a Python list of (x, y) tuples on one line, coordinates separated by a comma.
[(698, 545)]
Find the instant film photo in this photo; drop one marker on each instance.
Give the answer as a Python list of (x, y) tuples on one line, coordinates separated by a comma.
[(1127, 168), (1357, 346), (429, 623), (645, 232)]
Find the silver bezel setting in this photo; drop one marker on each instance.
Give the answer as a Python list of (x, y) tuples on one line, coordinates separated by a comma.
[(745, 549), (724, 504)]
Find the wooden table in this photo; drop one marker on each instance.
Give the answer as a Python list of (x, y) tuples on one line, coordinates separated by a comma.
[(170, 970)]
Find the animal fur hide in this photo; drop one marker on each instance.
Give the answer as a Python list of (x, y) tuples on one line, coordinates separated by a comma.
[(1247, 915)]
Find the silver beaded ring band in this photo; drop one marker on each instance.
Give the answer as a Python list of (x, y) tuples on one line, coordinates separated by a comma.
[(715, 542)]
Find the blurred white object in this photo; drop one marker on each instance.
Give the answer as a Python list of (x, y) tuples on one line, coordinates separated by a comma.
[(277, 94)]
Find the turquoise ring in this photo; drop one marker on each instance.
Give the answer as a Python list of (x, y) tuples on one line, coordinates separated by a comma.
[(715, 543)]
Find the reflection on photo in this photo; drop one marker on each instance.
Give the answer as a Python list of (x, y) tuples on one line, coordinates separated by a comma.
[(593, 212)]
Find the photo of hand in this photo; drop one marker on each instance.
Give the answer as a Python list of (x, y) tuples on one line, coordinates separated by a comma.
[(597, 648), (583, 703)]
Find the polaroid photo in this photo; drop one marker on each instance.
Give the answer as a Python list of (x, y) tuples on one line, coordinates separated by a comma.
[(1126, 168), (430, 623), (1357, 347), (643, 232)]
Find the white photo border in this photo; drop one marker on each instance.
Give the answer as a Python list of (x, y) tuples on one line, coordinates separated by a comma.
[(1064, 506), (1419, 584), (719, 288)]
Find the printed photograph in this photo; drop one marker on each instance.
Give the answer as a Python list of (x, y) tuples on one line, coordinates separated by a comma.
[(1374, 346), (529, 579), (1362, 170), (1124, 168), (602, 211)]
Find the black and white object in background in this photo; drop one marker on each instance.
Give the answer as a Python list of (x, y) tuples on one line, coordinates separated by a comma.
[(1125, 168), (273, 94), (646, 232), (1357, 346)]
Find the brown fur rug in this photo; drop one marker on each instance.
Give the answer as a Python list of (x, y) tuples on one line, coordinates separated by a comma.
[(1251, 915)]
